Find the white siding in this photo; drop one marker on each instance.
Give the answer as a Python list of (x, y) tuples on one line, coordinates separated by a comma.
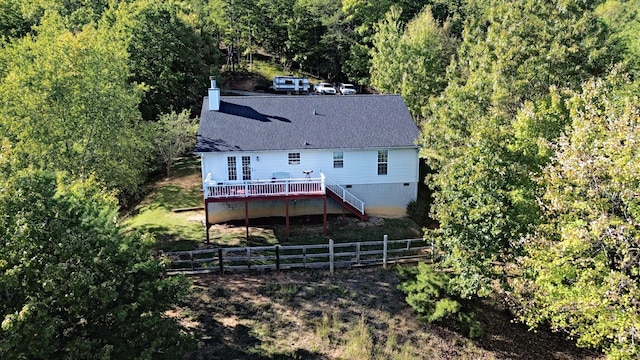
[(360, 166)]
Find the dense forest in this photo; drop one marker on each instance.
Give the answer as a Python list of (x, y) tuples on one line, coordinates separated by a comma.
[(529, 117)]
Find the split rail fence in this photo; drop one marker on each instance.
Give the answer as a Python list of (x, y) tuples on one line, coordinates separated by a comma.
[(332, 255)]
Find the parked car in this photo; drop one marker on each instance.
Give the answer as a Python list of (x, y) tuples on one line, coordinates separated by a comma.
[(325, 88), (347, 89)]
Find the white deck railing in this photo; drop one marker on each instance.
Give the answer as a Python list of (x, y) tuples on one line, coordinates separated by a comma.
[(345, 195), (255, 188)]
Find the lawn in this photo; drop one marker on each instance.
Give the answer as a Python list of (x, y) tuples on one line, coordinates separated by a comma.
[(184, 229), (313, 314), (155, 214)]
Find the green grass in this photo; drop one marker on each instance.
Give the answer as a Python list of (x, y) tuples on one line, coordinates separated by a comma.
[(173, 231), (180, 231), (348, 230), (268, 70), (359, 341)]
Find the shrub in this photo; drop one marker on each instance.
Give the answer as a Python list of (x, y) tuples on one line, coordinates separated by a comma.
[(427, 291)]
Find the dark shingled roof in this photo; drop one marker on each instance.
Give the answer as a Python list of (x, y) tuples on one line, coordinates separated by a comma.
[(259, 123)]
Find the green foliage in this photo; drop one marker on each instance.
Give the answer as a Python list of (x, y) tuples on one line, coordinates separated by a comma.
[(581, 273), (72, 284), (175, 68), (361, 18), (427, 291), (12, 21), (67, 105), (487, 134), (411, 61), (174, 135), (623, 17)]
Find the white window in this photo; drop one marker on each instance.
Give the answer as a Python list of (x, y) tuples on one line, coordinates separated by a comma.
[(294, 158), (338, 159), (383, 162)]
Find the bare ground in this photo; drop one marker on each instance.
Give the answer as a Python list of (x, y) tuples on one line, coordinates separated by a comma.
[(314, 315)]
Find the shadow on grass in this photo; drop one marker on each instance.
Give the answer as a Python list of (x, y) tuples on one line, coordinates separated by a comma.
[(234, 340), (231, 343), (185, 166), (173, 197), (168, 241), (506, 337), (308, 230)]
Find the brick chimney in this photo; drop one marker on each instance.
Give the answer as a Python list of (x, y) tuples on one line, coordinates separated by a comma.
[(214, 95)]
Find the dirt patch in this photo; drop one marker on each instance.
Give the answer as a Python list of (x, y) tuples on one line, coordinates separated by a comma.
[(315, 315), (186, 182)]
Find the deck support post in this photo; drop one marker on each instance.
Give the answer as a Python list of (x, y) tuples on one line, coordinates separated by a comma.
[(246, 218), (286, 210), (324, 221)]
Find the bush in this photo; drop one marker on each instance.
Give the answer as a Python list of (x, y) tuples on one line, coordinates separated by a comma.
[(427, 291)]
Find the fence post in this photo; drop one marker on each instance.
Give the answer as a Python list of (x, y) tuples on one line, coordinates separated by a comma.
[(248, 257), (331, 255), (304, 258), (220, 261), (277, 258), (191, 258), (358, 252), (384, 251)]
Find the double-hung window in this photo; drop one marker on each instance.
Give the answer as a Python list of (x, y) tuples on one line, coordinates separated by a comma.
[(338, 159), (383, 162), (294, 158)]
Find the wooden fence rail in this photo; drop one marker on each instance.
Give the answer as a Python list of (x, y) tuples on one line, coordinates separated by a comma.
[(278, 257)]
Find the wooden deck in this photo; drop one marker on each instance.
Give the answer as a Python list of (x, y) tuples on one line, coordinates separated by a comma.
[(264, 189), (280, 189)]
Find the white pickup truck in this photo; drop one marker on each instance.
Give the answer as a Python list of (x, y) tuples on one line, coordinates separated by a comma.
[(347, 89), (325, 88)]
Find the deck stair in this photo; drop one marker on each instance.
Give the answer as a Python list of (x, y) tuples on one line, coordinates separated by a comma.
[(346, 199)]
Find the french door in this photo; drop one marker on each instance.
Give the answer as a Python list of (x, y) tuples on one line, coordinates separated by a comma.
[(246, 168)]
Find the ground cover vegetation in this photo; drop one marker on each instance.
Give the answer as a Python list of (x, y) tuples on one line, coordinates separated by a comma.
[(528, 114)]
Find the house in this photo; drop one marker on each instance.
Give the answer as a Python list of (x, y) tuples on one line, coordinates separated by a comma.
[(288, 156)]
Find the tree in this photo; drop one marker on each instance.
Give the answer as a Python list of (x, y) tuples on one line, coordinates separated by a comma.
[(484, 193), (166, 54), (623, 17), (411, 61), (175, 134), (363, 15), (386, 71), (12, 21), (73, 285), (316, 37), (582, 269), (67, 105)]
